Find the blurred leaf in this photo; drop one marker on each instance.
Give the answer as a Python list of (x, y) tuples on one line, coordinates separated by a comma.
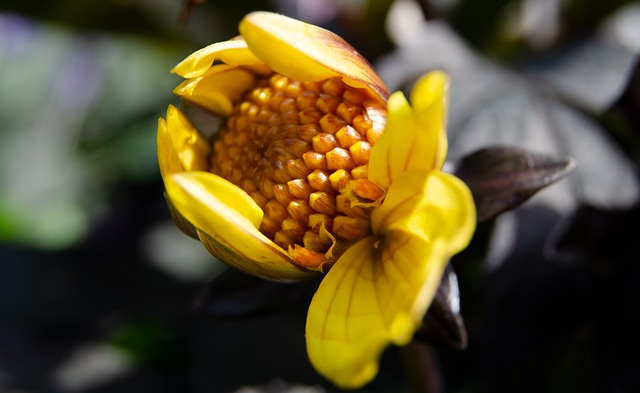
[(467, 14), (131, 17), (569, 309), (443, 321), (587, 15), (491, 105), (234, 294), (594, 239), (71, 96), (624, 27), (177, 255), (501, 178), (502, 28), (90, 366), (150, 342), (125, 152), (592, 74), (280, 386)]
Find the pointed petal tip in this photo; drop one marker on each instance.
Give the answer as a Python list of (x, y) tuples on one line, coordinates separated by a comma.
[(233, 52), (415, 134), (431, 93)]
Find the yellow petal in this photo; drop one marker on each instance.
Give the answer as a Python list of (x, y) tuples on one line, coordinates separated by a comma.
[(168, 160), (180, 222), (375, 295), (415, 137), (431, 204), (430, 100), (180, 146), (227, 220), (234, 52), (218, 89), (308, 53)]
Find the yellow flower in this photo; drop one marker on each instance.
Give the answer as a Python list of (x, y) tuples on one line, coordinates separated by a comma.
[(316, 169)]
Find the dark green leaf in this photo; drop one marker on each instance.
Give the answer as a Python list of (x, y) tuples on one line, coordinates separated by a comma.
[(80, 118)]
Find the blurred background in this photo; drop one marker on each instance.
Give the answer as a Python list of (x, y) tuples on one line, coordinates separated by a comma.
[(97, 287)]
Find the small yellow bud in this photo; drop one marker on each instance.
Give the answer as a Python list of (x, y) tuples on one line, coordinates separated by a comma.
[(339, 158), (315, 160), (319, 180), (350, 228), (300, 210), (333, 87), (323, 202), (331, 123), (323, 143), (360, 152), (312, 241), (327, 103), (317, 220), (347, 136), (348, 111), (339, 179), (293, 229), (299, 188)]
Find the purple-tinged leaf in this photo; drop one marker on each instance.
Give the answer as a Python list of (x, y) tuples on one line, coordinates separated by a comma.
[(591, 74), (501, 178), (443, 322), (492, 105)]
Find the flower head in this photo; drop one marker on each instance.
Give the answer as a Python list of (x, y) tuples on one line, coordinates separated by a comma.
[(316, 169)]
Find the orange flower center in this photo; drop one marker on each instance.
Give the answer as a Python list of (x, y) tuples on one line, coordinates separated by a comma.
[(300, 150)]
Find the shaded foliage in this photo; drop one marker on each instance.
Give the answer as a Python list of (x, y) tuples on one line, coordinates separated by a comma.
[(548, 292)]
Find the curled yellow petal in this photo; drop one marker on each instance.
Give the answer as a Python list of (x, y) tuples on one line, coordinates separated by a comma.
[(234, 52), (415, 136), (430, 204), (182, 223), (227, 220), (180, 146), (375, 295), (168, 160), (308, 53), (218, 88)]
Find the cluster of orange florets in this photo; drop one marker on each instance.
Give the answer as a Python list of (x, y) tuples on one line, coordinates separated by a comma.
[(300, 150)]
